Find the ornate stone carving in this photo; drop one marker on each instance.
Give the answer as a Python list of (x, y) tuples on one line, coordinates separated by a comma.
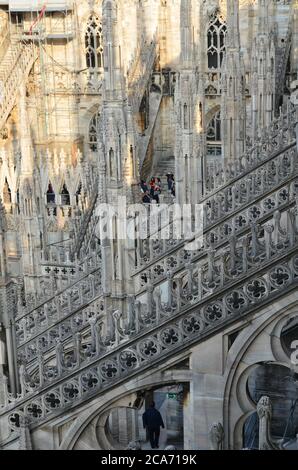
[(264, 410), (216, 436)]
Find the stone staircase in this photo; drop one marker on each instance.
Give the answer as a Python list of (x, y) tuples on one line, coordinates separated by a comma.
[(140, 71), (10, 58), (86, 228), (14, 68), (160, 169)]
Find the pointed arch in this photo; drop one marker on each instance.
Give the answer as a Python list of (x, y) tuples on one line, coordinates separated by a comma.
[(94, 43), (51, 196), (65, 196), (214, 128), (216, 39)]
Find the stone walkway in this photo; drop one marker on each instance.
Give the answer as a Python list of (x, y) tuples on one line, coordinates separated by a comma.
[(162, 442)]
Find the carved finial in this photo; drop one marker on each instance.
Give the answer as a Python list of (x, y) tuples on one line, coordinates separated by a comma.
[(216, 436), (25, 442), (264, 408)]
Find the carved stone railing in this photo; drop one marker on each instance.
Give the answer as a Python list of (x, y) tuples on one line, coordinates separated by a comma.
[(74, 318), (49, 287), (279, 139), (140, 71), (216, 237), (273, 140), (256, 265), (87, 228), (229, 209), (85, 222), (230, 284), (56, 306), (182, 262)]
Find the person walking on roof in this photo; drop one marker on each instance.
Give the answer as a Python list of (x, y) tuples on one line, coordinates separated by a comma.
[(152, 421)]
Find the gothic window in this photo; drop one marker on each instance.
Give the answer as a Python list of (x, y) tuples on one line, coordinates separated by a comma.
[(6, 193), (214, 136), (94, 43), (216, 36), (93, 132), (65, 197), (51, 197)]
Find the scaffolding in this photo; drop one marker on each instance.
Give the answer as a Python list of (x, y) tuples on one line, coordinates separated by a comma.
[(40, 24)]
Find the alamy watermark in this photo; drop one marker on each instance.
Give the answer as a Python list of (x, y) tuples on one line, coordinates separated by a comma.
[(124, 221)]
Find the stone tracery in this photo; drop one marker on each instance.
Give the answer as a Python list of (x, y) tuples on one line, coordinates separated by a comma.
[(87, 315)]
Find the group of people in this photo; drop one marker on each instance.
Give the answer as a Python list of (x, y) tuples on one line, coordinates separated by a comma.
[(151, 192)]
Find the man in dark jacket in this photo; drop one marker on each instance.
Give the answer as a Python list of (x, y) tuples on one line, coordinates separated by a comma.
[(152, 420)]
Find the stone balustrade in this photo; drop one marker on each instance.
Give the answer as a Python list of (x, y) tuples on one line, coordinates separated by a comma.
[(86, 221), (64, 330), (273, 140), (50, 285), (225, 286), (159, 265), (140, 71), (72, 344), (36, 320), (228, 210)]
